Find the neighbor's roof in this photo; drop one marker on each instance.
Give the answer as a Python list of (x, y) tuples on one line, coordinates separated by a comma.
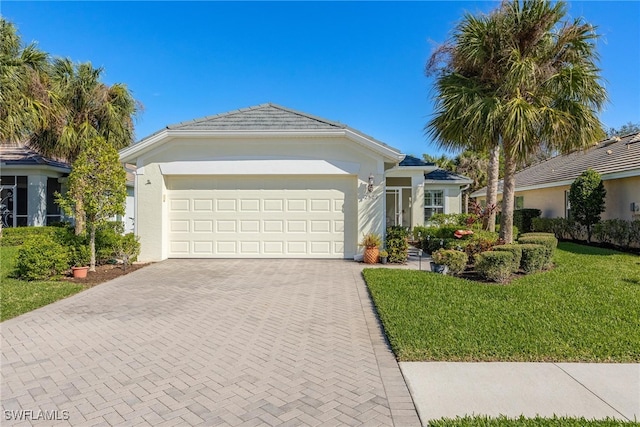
[(608, 157), (19, 154), (443, 176), (414, 161)]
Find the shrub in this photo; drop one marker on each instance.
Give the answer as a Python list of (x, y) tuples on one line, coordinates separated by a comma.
[(587, 196), (79, 255), (480, 241), (547, 240), (562, 228), (523, 218), (19, 235), (397, 244), (108, 237), (459, 220), (41, 258), (618, 232), (128, 249), (534, 257), (516, 250), (455, 260), (495, 265)]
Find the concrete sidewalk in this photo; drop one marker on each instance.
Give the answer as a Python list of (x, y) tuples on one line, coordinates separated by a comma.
[(590, 390)]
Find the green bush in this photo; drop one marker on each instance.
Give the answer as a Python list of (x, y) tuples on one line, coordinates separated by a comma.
[(562, 228), (459, 220), (618, 232), (79, 255), (397, 244), (534, 257), (516, 250), (19, 235), (128, 249), (455, 260), (495, 265), (523, 219), (108, 237), (41, 258), (547, 240), (479, 241)]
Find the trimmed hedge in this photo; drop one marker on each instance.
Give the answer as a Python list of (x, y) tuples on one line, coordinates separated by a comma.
[(41, 258), (16, 236), (516, 250), (495, 265), (534, 257), (547, 240), (455, 260)]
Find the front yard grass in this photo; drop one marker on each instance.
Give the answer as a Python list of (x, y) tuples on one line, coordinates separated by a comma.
[(19, 296), (587, 309), (482, 421)]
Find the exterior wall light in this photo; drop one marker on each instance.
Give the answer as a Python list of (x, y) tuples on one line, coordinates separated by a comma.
[(370, 186)]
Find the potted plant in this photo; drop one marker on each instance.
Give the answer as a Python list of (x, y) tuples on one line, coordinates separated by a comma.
[(80, 257), (437, 263), (383, 256), (371, 242)]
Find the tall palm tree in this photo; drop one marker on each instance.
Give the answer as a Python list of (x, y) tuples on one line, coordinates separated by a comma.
[(521, 78), (86, 108), (24, 97)]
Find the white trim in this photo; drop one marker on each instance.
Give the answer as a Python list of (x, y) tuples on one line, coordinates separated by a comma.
[(456, 182), (132, 152), (259, 167)]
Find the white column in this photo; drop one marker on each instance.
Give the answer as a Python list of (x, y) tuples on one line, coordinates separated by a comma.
[(37, 200), (417, 205)]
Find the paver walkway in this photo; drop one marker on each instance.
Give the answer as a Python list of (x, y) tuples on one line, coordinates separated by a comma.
[(207, 342)]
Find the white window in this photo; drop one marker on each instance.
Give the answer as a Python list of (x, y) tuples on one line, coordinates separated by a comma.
[(433, 203)]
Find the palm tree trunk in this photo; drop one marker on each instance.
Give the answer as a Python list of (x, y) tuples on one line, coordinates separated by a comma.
[(492, 188), (92, 246), (508, 196)]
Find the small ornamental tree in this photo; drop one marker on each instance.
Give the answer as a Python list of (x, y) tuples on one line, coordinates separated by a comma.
[(586, 196), (97, 182)]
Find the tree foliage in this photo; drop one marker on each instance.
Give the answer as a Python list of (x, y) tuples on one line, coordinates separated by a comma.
[(97, 182), (587, 197), (522, 78), (623, 130)]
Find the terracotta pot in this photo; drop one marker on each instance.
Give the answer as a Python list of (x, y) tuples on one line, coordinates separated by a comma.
[(80, 272), (371, 255)]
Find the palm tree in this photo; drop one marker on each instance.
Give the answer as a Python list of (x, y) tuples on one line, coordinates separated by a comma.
[(24, 97), (520, 78), (86, 109)]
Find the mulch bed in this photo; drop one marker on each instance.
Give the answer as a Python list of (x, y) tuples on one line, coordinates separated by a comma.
[(102, 274)]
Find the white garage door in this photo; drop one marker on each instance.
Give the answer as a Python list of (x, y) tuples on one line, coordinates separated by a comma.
[(261, 216)]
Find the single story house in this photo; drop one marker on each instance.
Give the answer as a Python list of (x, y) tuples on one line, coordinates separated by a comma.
[(271, 182), (28, 184), (545, 185)]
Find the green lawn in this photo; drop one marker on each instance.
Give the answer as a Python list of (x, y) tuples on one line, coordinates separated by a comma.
[(18, 296), (586, 309), (481, 421)]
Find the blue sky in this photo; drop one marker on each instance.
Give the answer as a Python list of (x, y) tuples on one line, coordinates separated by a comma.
[(359, 63)]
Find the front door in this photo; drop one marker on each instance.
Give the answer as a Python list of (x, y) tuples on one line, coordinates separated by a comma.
[(398, 206)]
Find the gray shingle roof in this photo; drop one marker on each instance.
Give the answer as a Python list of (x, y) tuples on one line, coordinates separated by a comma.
[(414, 161), (20, 154), (445, 175), (260, 117), (265, 117), (608, 156)]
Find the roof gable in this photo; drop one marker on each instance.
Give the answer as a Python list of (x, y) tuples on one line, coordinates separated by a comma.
[(261, 117), (19, 154), (265, 120)]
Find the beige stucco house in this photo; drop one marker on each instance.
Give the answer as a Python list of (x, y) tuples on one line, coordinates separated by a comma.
[(271, 182), (545, 185)]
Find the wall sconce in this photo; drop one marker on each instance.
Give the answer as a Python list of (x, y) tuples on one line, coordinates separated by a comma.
[(148, 182), (370, 186)]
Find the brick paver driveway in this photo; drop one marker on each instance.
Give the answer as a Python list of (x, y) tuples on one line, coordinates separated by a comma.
[(207, 342)]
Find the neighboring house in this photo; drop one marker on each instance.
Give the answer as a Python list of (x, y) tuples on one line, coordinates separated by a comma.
[(28, 183), (271, 182), (545, 185)]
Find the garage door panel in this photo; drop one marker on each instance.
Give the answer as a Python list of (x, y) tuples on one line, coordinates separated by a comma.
[(261, 217)]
